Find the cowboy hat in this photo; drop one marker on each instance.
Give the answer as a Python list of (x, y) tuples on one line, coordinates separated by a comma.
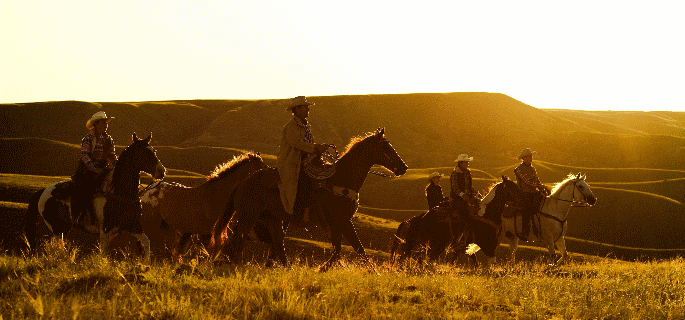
[(464, 157), (298, 101), (526, 152), (90, 124), (435, 174)]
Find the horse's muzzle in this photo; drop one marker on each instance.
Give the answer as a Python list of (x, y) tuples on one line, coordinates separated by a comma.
[(401, 170), (591, 200), (160, 171)]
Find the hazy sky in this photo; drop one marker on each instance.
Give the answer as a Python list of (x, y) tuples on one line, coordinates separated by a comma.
[(592, 55)]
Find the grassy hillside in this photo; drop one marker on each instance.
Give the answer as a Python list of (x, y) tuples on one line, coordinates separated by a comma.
[(428, 130), (635, 161)]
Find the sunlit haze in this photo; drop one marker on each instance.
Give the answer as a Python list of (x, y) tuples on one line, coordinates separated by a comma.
[(590, 55)]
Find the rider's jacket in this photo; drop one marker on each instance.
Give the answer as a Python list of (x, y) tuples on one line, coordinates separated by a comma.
[(296, 141), (97, 151), (527, 178), (461, 182)]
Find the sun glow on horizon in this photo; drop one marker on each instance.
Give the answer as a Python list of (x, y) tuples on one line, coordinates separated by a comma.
[(587, 56)]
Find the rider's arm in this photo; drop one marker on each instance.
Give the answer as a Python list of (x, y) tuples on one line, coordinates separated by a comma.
[(294, 139), (110, 153), (532, 181), (86, 147)]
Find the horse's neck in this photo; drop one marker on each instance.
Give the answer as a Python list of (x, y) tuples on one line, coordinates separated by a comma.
[(560, 204), (489, 197), (125, 181), (351, 170)]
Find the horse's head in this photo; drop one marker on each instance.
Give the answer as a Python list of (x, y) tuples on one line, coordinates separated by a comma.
[(584, 195), (385, 155), (143, 157)]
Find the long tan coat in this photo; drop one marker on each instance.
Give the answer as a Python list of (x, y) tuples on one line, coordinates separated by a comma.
[(289, 161)]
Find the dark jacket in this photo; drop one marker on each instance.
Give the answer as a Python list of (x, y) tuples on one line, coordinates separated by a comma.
[(434, 195)]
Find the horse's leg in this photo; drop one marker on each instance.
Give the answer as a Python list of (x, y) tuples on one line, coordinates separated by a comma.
[(30, 221), (336, 240), (351, 235), (275, 227), (561, 245), (145, 241), (180, 246), (513, 246)]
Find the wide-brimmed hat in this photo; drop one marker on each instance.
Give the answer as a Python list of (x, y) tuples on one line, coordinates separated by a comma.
[(435, 174), (90, 124), (464, 157), (298, 101), (527, 152)]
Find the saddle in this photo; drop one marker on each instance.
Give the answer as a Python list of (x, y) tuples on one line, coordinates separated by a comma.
[(320, 167)]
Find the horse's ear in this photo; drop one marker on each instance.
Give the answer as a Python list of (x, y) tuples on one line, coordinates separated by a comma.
[(135, 137), (578, 176), (380, 131), (147, 140)]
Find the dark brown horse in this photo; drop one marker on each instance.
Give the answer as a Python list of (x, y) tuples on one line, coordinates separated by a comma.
[(173, 212), (432, 229), (337, 202)]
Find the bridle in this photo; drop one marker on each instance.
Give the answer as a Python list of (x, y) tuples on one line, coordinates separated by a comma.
[(575, 203), (333, 159), (383, 174)]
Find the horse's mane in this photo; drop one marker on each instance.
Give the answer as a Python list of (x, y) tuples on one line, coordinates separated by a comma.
[(357, 140), (560, 185), (226, 168)]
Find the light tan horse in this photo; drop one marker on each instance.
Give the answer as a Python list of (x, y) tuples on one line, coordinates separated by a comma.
[(173, 212)]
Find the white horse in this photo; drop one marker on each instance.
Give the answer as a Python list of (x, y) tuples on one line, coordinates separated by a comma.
[(551, 219)]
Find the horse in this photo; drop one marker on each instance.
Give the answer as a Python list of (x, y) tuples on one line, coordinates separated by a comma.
[(430, 229), (171, 208), (550, 221), (116, 209), (433, 228), (337, 201), (482, 231)]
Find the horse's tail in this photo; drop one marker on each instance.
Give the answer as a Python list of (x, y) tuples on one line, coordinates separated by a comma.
[(397, 240), (31, 219), (472, 249), (220, 229)]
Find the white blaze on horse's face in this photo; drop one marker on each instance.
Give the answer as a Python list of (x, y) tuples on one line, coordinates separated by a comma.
[(585, 194), (160, 170)]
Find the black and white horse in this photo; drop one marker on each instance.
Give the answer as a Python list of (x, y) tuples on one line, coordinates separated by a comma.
[(117, 208)]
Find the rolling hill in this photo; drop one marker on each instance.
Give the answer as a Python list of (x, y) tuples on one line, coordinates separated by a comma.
[(635, 161)]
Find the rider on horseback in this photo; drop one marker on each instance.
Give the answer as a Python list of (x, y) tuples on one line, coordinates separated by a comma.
[(462, 193), (297, 142), (532, 190), (97, 159), (434, 191)]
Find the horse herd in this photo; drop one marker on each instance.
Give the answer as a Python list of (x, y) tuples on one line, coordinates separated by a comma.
[(241, 197)]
